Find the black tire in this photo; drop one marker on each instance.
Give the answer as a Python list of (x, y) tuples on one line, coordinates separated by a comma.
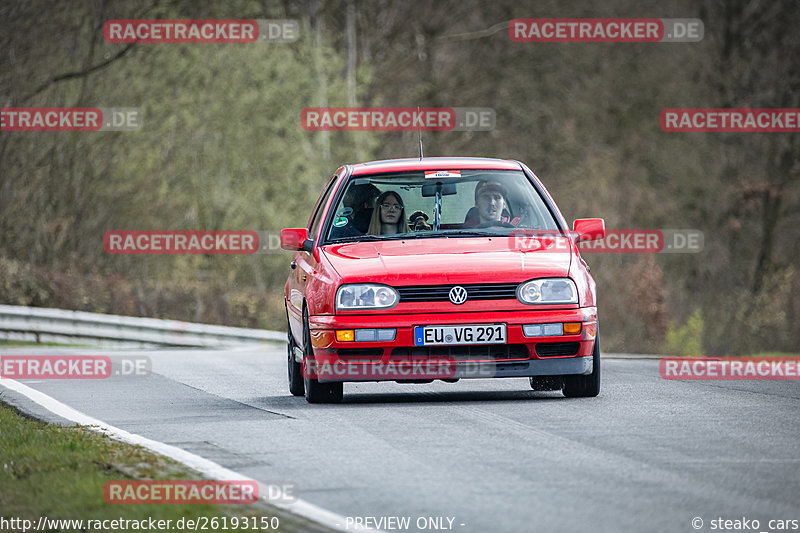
[(315, 391), (545, 383), (296, 385), (585, 386)]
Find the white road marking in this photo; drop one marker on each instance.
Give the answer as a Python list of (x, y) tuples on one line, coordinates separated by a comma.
[(208, 468)]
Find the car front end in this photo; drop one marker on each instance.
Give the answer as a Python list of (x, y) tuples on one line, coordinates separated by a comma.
[(490, 284), (436, 319)]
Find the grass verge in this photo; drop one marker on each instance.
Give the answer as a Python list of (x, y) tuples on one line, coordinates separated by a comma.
[(59, 472)]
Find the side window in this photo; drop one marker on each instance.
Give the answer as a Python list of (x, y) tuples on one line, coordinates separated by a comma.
[(318, 212)]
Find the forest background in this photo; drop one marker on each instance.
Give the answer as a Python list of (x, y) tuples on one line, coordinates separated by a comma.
[(222, 148)]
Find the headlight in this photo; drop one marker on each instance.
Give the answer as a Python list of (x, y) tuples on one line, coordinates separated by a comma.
[(366, 296), (548, 291)]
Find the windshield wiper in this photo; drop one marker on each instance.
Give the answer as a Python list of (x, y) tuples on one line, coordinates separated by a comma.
[(418, 235), (357, 238), (474, 233), (415, 235)]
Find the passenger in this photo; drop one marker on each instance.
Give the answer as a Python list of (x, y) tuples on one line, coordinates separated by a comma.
[(389, 216), (419, 221)]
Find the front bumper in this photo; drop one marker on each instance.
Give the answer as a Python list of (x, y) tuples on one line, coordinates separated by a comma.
[(402, 360)]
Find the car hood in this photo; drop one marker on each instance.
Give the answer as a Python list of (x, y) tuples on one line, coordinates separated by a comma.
[(450, 260)]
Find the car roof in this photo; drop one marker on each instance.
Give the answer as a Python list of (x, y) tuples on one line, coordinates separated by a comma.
[(434, 163)]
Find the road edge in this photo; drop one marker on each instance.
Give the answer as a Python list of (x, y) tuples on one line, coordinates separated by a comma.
[(66, 414)]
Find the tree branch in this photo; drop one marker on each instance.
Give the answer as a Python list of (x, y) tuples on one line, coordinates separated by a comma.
[(79, 73)]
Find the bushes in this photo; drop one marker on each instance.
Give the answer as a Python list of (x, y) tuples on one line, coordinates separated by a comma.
[(686, 339)]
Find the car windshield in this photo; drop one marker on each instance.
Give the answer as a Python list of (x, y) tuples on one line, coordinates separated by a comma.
[(439, 203)]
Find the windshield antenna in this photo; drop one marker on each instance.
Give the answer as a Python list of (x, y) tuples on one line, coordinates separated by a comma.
[(420, 137)]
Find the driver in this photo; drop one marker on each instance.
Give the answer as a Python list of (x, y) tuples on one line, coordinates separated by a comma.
[(490, 205)]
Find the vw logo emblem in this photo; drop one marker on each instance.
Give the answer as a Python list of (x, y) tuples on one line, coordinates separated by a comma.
[(458, 295)]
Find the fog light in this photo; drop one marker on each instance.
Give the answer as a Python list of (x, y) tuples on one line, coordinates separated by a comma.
[(386, 334), (552, 329), (345, 335), (532, 330), (366, 335), (542, 330), (372, 335)]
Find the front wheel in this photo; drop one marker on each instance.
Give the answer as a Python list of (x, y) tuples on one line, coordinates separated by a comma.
[(315, 391), (296, 386), (585, 386)]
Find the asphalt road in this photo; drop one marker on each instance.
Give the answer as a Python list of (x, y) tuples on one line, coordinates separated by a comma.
[(646, 455)]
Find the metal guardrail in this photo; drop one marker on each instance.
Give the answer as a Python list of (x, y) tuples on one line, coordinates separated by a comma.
[(58, 325)]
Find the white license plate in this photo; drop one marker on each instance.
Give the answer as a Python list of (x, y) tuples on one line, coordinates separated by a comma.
[(472, 334)]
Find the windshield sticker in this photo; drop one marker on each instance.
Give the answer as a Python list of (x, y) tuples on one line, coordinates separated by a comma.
[(339, 222), (442, 174)]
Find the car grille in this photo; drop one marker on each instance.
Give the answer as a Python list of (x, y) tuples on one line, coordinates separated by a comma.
[(467, 352), (440, 293), (555, 349)]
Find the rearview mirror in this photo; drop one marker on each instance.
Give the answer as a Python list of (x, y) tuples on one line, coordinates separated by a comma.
[(589, 229), (446, 189)]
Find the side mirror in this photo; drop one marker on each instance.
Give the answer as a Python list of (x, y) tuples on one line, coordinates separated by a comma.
[(294, 239), (588, 229)]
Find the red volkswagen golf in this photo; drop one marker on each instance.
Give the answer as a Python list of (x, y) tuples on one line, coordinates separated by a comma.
[(412, 270)]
